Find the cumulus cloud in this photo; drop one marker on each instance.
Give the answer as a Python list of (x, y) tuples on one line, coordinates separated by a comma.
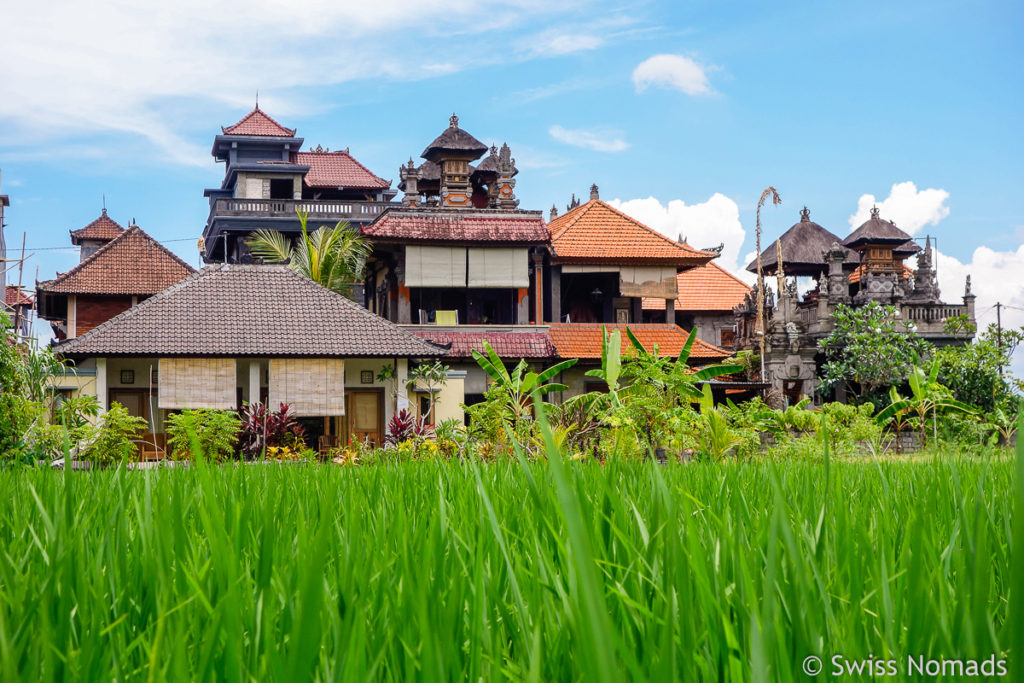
[(597, 140), (707, 224), (674, 72), (153, 70), (995, 276), (909, 208)]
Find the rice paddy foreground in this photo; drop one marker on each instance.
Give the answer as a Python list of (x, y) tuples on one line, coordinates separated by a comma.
[(455, 571)]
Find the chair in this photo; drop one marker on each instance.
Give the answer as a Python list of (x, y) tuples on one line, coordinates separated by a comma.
[(424, 317), (325, 443)]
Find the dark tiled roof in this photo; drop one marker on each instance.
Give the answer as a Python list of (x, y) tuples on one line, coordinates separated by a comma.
[(14, 297), (876, 230), (132, 263), (338, 169), (103, 229), (803, 246), (908, 248), (584, 341), (454, 139), (508, 345), (704, 288), (597, 233), (459, 225), (247, 310), (258, 123)]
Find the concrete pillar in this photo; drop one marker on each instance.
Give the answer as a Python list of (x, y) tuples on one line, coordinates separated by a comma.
[(556, 294), (636, 310), (254, 380), (401, 377), (101, 384), (72, 317), (538, 289), (670, 311)]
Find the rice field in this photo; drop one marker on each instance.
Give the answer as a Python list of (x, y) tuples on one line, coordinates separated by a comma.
[(510, 571)]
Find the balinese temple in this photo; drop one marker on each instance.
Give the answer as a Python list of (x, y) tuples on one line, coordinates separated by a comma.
[(869, 265), (268, 179)]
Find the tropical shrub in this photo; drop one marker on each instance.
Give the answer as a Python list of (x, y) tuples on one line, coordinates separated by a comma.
[(112, 440), (404, 426), (263, 428), (978, 373), (213, 432), (928, 397)]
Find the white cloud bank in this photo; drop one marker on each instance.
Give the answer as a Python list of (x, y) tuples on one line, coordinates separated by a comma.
[(597, 140), (674, 72), (707, 224), (906, 206)]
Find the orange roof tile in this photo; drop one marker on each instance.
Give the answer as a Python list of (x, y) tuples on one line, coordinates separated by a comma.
[(597, 233), (584, 340), (704, 288), (103, 229), (338, 169), (14, 297), (856, 275), (132, 263), (258, 123)]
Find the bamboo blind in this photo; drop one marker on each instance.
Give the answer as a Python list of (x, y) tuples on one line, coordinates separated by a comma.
[(435, 266), (196, 383), (498, 267), (310, 386), (652, 281)]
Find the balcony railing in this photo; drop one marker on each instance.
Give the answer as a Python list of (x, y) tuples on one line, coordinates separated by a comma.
[(931, 313), (286, 208)]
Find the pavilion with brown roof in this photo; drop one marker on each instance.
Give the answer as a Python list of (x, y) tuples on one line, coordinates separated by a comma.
[(212, 341), (124, 271), (605, 262)]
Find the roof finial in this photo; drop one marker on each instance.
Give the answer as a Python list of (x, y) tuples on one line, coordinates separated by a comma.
[(874, 212), (257, 99), (554, 212), (594, 193), (805, 215), (453, 121), (104, 195)]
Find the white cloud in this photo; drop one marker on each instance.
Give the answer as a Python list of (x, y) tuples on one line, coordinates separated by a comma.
[(909, 208), (708, 224), (672, 71), (597, 140), (996, 276), (158, 71), (555, 43)]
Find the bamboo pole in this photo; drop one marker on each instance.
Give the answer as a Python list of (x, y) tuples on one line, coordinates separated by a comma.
[(760, 322)]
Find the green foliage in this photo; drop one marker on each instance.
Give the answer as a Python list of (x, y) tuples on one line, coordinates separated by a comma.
[(215, 432), (978, 373), (432, 376), (332, 257), (928, 397), (555, 571), (111, 440), (869, 350)]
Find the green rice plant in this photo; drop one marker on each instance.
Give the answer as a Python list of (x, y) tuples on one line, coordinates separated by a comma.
[(509, 570)]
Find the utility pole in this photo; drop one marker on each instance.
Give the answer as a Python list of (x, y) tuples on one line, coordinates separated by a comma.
[(17, 305), (999, 331)]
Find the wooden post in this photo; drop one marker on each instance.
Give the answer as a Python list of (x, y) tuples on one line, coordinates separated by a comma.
[(101, 384), (254, 381), (556, 294)]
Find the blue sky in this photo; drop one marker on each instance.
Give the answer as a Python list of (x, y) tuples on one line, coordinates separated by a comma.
[(918, 105)]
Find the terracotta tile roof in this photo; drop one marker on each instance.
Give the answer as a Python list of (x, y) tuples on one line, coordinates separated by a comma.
[(459, 225), (224, 311), (13, 297), (258, 123), (584, 340), (704, 288), (131, 263), (508, 345), (858, 273), (338, 169), (597, 233), (103, 229)]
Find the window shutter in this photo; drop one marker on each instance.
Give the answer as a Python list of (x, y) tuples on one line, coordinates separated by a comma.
[(189, 383), (309, 386), (498, 267)]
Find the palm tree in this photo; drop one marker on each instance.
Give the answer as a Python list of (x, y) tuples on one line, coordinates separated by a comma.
[(331, 257)]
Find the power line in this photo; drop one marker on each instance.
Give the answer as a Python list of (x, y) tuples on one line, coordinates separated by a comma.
[(177, 239)]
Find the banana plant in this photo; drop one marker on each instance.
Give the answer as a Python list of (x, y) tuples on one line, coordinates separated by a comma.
[(927, 397), (611, 362), (517, 386), (683, 379)]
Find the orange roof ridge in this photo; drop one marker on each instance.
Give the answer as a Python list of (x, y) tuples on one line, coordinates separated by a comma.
[(584, 340), (157, 282), (102, 228), (654, 232), (726, 272), (257, 122)]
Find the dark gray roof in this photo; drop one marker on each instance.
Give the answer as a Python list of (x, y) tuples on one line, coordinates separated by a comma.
[(803, 246), (489, 163), (430, 171), (248, 310), (454, 139), (876, 231), (909, 248)]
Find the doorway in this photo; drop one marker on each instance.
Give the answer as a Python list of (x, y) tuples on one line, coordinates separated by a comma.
[(364, 416), (135, 401)]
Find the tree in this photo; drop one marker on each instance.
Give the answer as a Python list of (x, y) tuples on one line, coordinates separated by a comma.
[(431, 376), (978, 373), (869, 350), (927, 397), (332, 257)]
